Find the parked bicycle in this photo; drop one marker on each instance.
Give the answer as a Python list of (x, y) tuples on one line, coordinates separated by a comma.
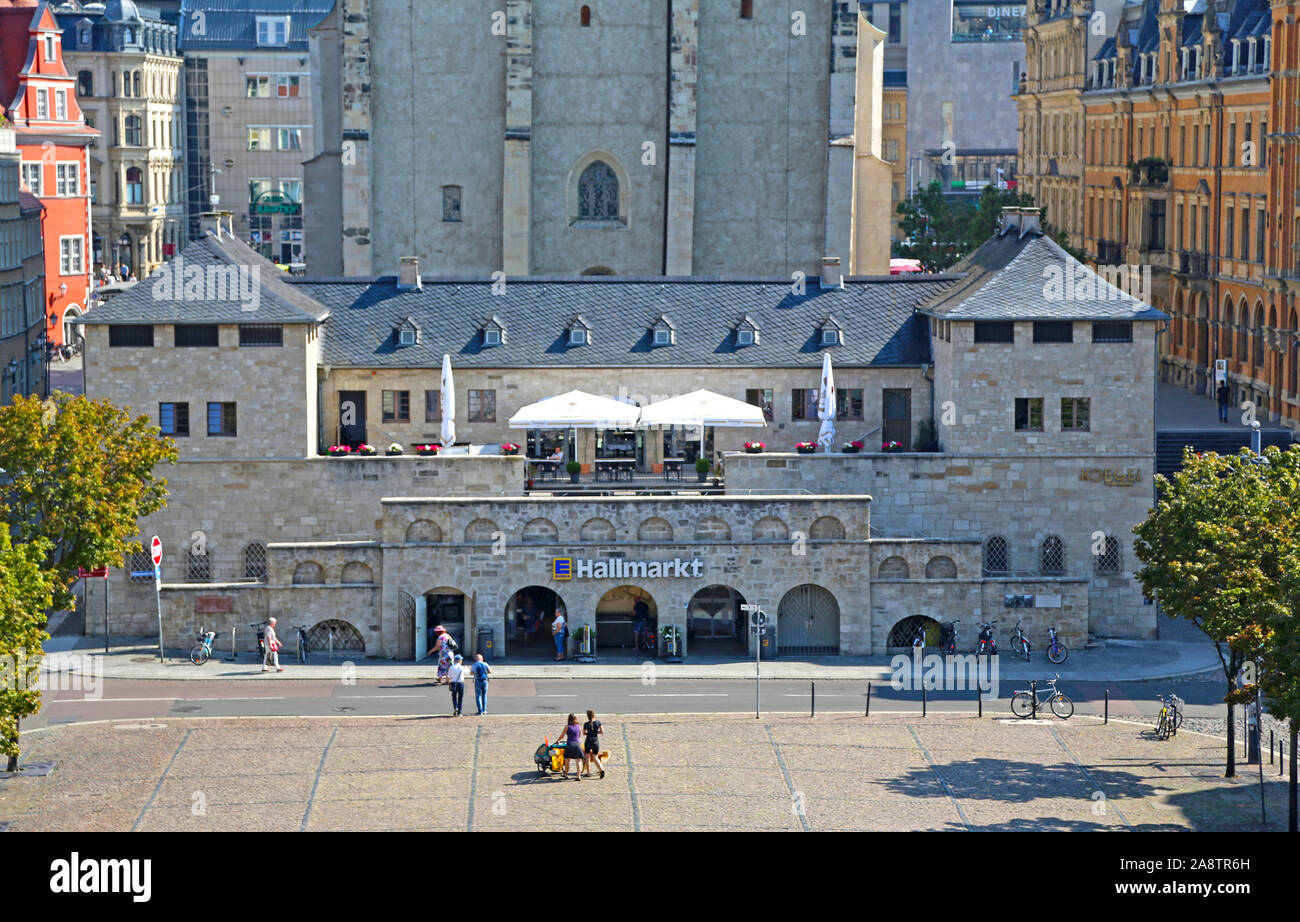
[(259, 627), (301, 631), (1026, 702), (1020, 643), (918, 639), (202, 651), (1171, 716), (987, 644), (1056, 651)]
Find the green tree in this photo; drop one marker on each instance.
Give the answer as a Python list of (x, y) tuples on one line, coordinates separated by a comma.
[(26, 591), (1218, 550), (942, 230), (79, 473)]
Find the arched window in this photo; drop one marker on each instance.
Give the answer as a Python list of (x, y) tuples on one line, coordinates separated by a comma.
[(85, 83), (1108, 560), (997, 556), (1293, 379), (199, 569), (134, 186), (1051, 556), (133, 131), (598, 193), (1258, 357), (1243, 324), (585, 16)]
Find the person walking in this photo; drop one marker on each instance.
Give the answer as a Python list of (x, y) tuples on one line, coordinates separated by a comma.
[(444, 646), (272, 642), (559, 631), (572, 734), (482, 673), (456, 682), (591, 745), (1223, 395)]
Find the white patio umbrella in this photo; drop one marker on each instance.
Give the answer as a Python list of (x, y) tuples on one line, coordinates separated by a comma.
[(448, 403), (701, 408), (576, 410), (826, 404)]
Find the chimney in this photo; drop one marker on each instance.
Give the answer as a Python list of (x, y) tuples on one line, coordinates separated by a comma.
[(408, 275), (1010, 221), (830, 277), (210, 224), (1031, 222)]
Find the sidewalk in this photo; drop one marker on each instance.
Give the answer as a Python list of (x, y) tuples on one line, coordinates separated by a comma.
[(1119, 660)]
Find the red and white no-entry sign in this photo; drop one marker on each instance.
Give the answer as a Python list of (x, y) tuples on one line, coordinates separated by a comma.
[(155, 550)]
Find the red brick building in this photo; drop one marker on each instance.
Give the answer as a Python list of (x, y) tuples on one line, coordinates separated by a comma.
[(39, 97)]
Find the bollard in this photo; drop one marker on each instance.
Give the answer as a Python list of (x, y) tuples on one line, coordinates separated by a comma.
[(812, 699), (1270, 747), (868, 713), (1107, 719), (922, 699), (979, 699)]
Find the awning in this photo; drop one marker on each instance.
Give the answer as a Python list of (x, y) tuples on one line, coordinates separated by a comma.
[(576, 410), (702, 408)]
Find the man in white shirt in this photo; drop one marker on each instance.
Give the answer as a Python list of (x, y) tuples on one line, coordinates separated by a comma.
[(272, 653), (456, 682), (559, 628)]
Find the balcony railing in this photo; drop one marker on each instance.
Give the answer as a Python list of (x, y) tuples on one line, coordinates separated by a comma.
[(1193, 264)]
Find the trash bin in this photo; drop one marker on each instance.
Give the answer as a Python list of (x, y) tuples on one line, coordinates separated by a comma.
[(767, 640), (484, 642)]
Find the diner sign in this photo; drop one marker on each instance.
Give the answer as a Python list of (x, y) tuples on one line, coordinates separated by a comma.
[(1111, 478), (618, 568)]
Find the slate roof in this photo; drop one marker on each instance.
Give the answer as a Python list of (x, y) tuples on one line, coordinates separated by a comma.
[(231, 25), (878, 315), (1007, 278), (148, 301)]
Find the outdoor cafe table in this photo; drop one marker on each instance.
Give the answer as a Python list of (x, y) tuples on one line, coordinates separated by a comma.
[(614, 468), (673, 468), (547, 468)]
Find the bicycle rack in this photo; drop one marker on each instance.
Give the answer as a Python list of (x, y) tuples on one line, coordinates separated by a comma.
[(1033, 695)]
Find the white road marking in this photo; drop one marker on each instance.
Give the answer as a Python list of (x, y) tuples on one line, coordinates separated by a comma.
[(673, 695), (380, 696), (547, 696), (173, 698)]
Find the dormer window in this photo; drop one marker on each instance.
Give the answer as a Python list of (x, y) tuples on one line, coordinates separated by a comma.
[(494, 331), (407, 332), (746, 331), (577, 337), (662, 331), (272, 30), (830, 337), (744, 337)]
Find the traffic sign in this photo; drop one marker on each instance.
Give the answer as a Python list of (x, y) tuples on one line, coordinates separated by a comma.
[(155, 550), (97, 573)]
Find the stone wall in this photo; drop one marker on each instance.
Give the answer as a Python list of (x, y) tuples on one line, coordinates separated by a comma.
[(1023, 498)]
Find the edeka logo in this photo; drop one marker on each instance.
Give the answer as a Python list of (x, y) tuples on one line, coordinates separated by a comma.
[(103, 875), (618, 568), (944, 673), (178, 280)]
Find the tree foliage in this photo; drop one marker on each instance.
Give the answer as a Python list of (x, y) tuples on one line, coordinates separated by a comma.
[(1222, 549), (26, 591), (940, 230), (79, 473)]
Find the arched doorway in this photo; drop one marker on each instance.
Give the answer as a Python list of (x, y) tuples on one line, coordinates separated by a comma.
[(714, 620), (808, 622), (443, 607), (335, 636), (616, 613), (530, 612), (902, 633), (70, 332)]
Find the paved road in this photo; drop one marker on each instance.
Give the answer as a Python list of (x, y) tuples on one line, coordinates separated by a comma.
[(271, 697)]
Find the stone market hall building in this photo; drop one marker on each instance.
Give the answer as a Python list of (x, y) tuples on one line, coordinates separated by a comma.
[(1040, 379)]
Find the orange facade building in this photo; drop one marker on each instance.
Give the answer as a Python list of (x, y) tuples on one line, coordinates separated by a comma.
[(1188, 129), (40, 100)]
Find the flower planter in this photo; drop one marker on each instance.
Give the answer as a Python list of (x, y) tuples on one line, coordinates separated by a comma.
[(701, 476), (573, 478), (753, 451), (426, 451), (392, 453), (850, 449), (805, 451), (338, 454), (368, 454)]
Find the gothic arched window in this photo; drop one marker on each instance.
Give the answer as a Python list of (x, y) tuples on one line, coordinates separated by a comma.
[(598, 193)]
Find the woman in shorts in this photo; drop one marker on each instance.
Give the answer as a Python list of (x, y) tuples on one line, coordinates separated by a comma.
[(572, 734), (591, 745)]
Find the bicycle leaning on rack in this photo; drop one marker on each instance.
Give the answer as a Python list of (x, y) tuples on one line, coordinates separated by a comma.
[(1171, 716), (1020, 643), (1056, 651), (302, 642), (1026, 702), (202, 651)]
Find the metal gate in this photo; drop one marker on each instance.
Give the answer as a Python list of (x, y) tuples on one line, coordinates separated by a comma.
[(808, 622)]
